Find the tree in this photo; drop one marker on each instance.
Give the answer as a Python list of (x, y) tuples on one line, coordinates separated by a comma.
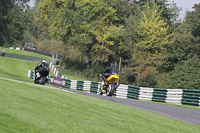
[(153, 39), (12, 24), (130, 34), (124, 9), (60, 20), (186, 39), (108, 44), (193, 19), (183, 48), (186, 75), (184, 54), (170, 11), (106, 35)]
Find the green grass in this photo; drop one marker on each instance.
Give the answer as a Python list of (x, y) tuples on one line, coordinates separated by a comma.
[(72, 74), (26, 108), (16, 68), (26, 54)]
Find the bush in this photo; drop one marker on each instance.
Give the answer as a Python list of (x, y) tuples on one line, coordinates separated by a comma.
[(186, 75), (148, 81), (127, 76)]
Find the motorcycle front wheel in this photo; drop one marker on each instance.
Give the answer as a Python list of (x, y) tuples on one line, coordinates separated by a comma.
[(100, 91), (111, 89)]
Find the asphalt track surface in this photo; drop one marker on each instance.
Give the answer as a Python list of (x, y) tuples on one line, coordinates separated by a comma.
[(191, 116), (23, 58)]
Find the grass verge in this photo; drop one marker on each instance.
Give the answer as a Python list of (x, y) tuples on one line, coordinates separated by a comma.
[(26, 108), (16, 68), (72, 74)]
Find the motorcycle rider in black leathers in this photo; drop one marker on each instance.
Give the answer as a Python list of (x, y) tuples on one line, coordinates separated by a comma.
[(42, 66), (110, 69), (2, 52)]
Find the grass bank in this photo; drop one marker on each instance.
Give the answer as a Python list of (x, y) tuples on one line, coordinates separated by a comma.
[(26, 108), (16, 68), (72, 74)]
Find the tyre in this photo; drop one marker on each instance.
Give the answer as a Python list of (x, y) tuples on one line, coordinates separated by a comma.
[(111, 89), (43, 80), (36, 81), (100, 91)]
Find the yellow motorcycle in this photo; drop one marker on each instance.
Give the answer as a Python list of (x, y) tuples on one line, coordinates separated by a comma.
[(111, 87)]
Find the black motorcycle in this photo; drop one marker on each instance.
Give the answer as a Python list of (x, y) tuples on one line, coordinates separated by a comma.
[(2, 53), (41, 76)]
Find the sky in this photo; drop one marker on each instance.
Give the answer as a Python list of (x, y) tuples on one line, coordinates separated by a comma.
[(186, 5), (31, 3)]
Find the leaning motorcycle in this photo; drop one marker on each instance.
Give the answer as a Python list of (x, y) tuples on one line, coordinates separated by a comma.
[(42, 76), (2, 53), (111, 87)]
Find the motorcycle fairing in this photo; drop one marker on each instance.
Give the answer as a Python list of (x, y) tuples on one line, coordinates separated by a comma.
[(113, 79)]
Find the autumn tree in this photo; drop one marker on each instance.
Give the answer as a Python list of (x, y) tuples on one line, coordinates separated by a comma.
[(153, 39), (106, 36), (170, 11), (60, 19)]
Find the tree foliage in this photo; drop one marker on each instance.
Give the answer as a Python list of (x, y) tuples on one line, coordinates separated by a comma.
[(153, 39), (106, 35), (13, 20), (170, 11), (193, 19), (156, 49), (185, 75)]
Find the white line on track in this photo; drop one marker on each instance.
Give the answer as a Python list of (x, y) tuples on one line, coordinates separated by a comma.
[(36, 84)]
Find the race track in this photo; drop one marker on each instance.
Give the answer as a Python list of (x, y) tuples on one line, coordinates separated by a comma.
[(191, 116), (23, 58), (183, 114)]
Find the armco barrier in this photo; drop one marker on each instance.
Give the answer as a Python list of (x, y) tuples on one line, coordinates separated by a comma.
[(133, 92), (31, 74), (122, 91), (57, 81), (173, 96), (16, 48), (159, 95), (55, 71), (191, 97), (87, 86)]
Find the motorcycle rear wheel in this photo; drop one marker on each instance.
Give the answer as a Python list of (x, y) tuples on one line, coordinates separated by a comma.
[(43, 80), (111, 89)]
